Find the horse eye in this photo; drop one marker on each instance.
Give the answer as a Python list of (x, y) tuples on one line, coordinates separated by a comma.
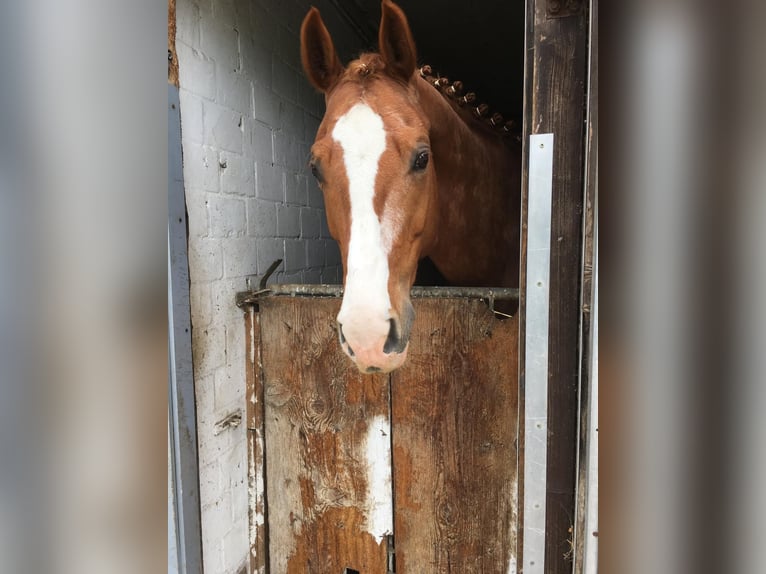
[(421, 161)]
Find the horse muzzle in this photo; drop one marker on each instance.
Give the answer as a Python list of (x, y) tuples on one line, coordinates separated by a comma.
[(375, 345)]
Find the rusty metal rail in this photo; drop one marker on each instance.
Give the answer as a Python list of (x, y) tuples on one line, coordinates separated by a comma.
[(490, 294)]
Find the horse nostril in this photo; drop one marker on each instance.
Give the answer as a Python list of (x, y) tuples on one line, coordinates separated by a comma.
[(343, 340), (394, 342)]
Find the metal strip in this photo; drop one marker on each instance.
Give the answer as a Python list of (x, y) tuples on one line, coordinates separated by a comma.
[(181, 380), (536, 350), (590, 563), (488, 293)]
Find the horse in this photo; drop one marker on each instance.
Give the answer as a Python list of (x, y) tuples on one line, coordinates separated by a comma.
[(406, 173)]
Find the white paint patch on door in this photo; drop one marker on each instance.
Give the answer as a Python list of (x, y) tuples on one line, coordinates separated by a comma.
[(379, 505), (362, 137)]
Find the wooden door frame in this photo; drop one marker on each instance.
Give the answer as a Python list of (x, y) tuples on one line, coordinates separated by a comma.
[(556, 89)]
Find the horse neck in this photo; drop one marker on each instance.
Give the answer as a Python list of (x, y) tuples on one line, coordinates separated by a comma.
[(476, 211)]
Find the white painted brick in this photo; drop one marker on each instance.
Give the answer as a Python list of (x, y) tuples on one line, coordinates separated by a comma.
[(270, 182), (288, 221), (269, 250), (295, 255), (203, 390), (291, 117), (230, 386), (201, 303), (235, 91), (205, 8), (192, 125), (187, 22), (325, 231), (223, 127), (284, 80), (264, 30), (200, 167), (256, 61), (205, 260), (213, 556), (330, 276), (197, 216), (240, 257), (220, 41), (218, 516), (312, 276), (208, 344), (238, 477), (315, 195), (228, 12), (259, 144), (296, 277), (235, 546), (261, 218), (223, 295), (309, 98), (284, 150), (289, 47), (227, 217), (310, 223), (310, 125), (196, 72), (266, 105), (238, 177), (295, 189), (235, 339), (332, 253), (315, 253)]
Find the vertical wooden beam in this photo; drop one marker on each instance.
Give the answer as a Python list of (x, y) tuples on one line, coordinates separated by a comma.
[(256, 474), (555, 73), (588, 325), (172, 56)]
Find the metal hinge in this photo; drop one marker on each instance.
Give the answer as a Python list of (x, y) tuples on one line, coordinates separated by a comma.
[(391, 552)]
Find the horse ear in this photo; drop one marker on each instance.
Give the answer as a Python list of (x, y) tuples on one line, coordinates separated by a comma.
[(395, 42), (320, 61)]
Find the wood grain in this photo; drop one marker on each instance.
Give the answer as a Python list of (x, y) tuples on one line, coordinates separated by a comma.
[(455, 423), (319, 416), (172, 56), (256, 475), (554, 103)]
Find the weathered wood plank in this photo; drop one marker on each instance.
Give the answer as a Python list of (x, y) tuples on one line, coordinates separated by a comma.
[(172, 55), (588, 293), (455, 426), (328, 445), (556, 69), (256, 475)]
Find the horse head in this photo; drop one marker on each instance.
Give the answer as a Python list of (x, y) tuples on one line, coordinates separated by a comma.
[(372, 159)]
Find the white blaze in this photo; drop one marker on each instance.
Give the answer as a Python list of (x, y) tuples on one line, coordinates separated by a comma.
[(362, 137)]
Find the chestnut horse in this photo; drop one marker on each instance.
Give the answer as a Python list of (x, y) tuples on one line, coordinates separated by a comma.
[(406, 173)]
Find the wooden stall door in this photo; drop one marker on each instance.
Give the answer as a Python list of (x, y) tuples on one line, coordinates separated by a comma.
[(339, 477), (455, 423)]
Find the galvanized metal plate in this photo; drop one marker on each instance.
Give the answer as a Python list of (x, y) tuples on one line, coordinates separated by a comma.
[(536, 350)]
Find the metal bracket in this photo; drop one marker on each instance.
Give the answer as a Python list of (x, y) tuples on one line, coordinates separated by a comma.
[(391, 553), (563, 8)]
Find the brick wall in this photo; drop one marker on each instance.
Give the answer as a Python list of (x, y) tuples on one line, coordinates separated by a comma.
[(248, 120)]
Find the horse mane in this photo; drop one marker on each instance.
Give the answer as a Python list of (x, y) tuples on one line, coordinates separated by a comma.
[(465, 105), (371, 66)]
